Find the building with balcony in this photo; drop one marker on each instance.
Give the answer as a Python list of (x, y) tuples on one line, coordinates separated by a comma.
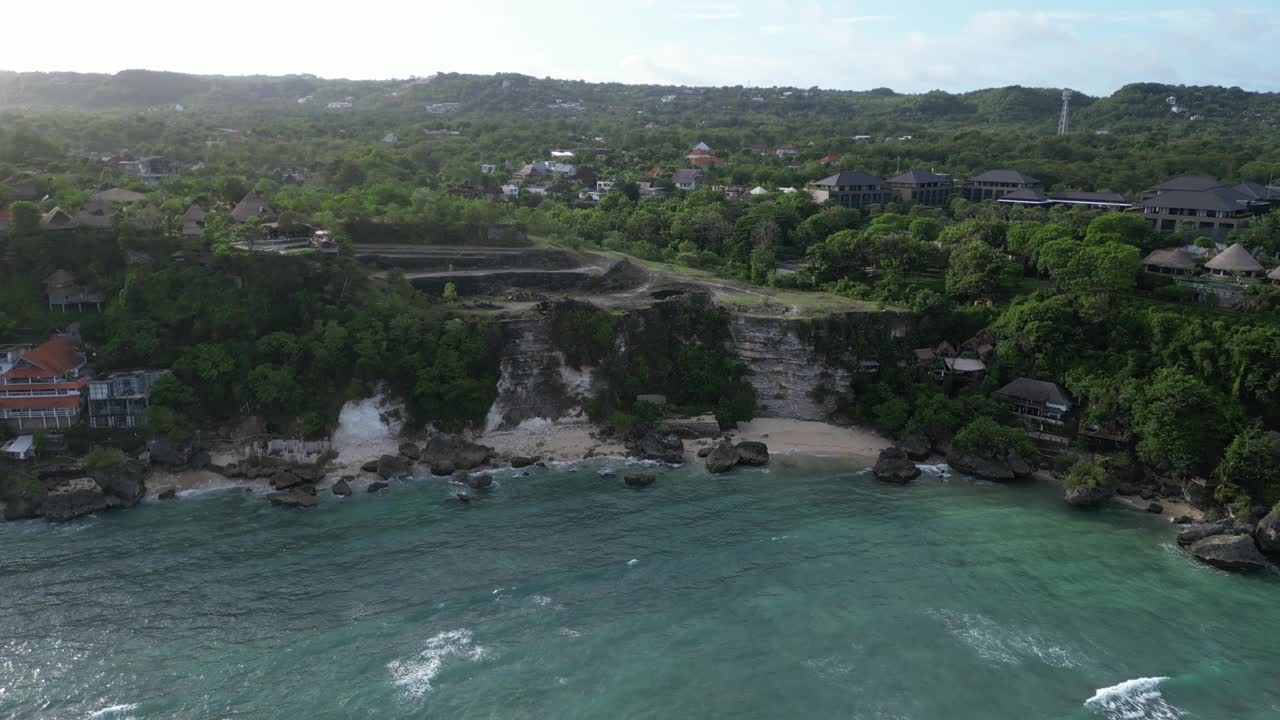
[(1202, 205), (120, 400), (42, 389)]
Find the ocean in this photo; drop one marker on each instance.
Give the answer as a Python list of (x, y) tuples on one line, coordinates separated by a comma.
[(802, 591)]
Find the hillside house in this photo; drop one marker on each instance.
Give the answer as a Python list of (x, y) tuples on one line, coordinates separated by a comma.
[(21, 448), (687, 179), (1235, 263), (851, 189), (120, 400), (153, 170), (193, 222), (43, 388), (1036, 400), (62, 290), (58, 219)]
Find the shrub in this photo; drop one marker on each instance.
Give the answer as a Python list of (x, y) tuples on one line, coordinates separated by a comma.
[(1085, 474), (102, 458), (987, 438)]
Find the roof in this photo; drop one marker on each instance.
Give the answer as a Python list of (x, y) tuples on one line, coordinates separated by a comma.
[(702, 146), (60, 278), (1005, 176), (1274, 274), (57, 356), (1256, 191), (1222, 198), (19, 445), (917, 177), (1192, 183), (251, 206), (57, 218), (117, 195), (1175, 258), (1025, 195), (195, 213), (963, 365), (40, 403), (849, 177), (829, 159), (924, 354), (681, 177), (1089, 197), (1035, 391), (1234, 259)]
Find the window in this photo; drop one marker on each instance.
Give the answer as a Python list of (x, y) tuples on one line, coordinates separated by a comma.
[(98, 391)]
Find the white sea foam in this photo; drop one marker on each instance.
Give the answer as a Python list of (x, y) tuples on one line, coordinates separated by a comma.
[(1010, 646), (1137, 699), (942, 469), (633, 562), (541, 600), (414, 675), (115, 711)]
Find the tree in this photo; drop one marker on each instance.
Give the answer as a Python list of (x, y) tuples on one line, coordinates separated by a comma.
[(1249, 465), (450, 293), (25, 219), (1181, 423), (1118, 227), (973, 271)]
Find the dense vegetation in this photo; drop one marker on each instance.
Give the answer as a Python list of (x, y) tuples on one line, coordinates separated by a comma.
[(288, 338)]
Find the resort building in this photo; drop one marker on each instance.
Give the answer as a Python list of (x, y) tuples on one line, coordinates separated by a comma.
[(1036, 400), (1235, 262), (995, 184), (1068, 198), (1202, 205), (851, 189), (1174, 261), (922, 187), (43, 388)]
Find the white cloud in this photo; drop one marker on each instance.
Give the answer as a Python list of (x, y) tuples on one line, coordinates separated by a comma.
[(710, 11)]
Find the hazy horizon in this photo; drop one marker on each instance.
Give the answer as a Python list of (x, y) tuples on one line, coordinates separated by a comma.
[(1096, 48)]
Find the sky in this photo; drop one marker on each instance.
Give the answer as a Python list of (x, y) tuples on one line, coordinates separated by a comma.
[(1096, 46)]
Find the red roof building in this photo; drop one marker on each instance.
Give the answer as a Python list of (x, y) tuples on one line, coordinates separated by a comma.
[(705, 160), (44, 388), (829, 159)]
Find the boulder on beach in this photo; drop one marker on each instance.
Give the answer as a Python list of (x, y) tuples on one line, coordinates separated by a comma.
[(753, 453), (169, 454), (121, 482), (1087, 497), (376, 486), (74, 498), (1230, 552), (520, 461), (1012, 467), (293, 499), (370, 467), (168, 494), (341, 488), (479, 481), (894, 466), (447, 454), (1268, 533), (392, 466), (1155, 508), (722, 458), (663, 447), (639, 481), (704, 451), (286, 479), (410, 451), (1199, 531)]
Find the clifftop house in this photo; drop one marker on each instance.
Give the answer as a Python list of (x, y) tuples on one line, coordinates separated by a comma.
[(43, 388), (62, 290)]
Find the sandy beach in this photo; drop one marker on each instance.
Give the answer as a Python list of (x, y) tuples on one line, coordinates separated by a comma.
[(550, 441), (802, 437)]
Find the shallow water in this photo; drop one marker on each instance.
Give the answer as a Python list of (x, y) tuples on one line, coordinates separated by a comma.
[(803, 592)]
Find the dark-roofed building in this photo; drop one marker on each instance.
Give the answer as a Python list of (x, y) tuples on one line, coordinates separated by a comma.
[(1189, 183), (1174, 261), (1259, 192), (921, 187), (63, 290), (120, 400), (193, 222), (851, 189), (1213, 212), (117, 195), (995, 184), (687, 179), (57, 219), (1036, 399), (251, 207)]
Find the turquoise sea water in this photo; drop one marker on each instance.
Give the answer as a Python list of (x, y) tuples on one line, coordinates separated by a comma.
[(777, 593)]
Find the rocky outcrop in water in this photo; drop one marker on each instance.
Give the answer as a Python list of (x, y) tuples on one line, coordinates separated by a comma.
[(753, 453), (1200, 531), (639, 481), (74, 498), (392, 466), (410, 451), (722, 458), (121, 483), (894, 466), (1007, 469), (1230, 552), (1088, 497), (341, 488), (293, 499)]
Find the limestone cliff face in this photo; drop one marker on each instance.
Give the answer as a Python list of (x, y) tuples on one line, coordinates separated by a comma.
[(789, 377), (534, 381)]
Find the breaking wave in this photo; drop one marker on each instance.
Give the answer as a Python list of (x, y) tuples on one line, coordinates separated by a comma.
[(113, 712), (1010, 646), (1137, 699), (415, 674)]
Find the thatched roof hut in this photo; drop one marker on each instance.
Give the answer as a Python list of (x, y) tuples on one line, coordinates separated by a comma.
[(1171, 261), (1235, 261)]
